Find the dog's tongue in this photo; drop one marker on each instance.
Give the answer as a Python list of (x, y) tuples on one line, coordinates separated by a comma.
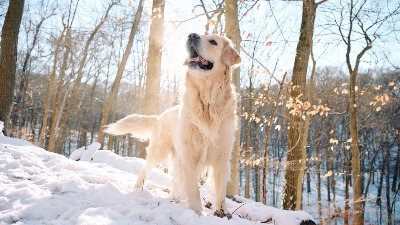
[(199, 59)]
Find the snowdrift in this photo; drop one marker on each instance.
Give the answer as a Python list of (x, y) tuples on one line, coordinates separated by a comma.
[(39, 187)]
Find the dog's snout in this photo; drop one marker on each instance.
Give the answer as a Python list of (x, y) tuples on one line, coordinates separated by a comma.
[(193, 36)]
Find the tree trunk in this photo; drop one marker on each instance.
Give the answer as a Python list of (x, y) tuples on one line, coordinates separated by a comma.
[(153, 62), (257, 176), (386, 162), (52, 79), (57, 100), (19, 110), (266, 147), (58, 105), (89, 123), (111, 139), (347, 187), (396, 171), (233, 32), (353, 72), (60, 135), (8, 58), (318, 170), (77, 83), (121, 67), (249, 148), (296, 137), (153, 74), (357, 193)]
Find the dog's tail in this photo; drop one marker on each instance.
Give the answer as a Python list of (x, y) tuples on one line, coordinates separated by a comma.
[(140, 126)]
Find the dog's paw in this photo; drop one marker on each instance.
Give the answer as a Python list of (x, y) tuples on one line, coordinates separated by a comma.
[(139, 185), (222, 214)]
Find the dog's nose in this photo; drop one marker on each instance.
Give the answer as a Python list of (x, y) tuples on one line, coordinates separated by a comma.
[(193, 36)]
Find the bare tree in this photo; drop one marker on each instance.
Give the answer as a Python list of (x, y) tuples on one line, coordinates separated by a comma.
[(51, 83), (114, 89), (232, 31), (48, 11), (58, 105), (362, 23), (211, 14), (56, 137), (8, 57), (296, 152)]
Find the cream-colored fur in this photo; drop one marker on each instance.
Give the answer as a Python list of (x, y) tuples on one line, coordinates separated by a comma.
[(198, 134)]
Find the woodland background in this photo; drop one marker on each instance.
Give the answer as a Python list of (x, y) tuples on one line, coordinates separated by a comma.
[(82, 64)]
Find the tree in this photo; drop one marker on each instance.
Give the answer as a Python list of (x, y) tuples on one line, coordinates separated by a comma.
[(114, 89), (25, 73), (58, 99), (56, 137), (8, 57), (51, 82), (296, 136), (232, 31), (153, 69), (366, 22)]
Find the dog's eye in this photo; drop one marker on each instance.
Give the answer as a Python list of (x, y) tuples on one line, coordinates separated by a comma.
[(213, 42)]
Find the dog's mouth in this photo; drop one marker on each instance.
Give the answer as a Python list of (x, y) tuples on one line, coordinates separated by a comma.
[(195, 60)]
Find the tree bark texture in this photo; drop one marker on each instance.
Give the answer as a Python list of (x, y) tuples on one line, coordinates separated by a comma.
[(249, 148), (232, 31), (357, 193), (8, 58), (295, 153)]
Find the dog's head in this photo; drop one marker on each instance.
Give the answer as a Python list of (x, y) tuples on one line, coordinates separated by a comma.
[(210, 54)]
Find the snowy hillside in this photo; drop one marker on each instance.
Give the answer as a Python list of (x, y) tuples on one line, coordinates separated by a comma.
[(38, 187)]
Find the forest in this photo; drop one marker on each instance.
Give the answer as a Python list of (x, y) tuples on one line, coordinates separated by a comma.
[(319, 109)]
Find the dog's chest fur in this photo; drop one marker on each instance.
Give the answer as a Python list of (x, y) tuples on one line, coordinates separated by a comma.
[(210, 105)]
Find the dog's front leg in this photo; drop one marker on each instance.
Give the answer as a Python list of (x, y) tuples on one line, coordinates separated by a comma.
[(220, 178), (192, 188)]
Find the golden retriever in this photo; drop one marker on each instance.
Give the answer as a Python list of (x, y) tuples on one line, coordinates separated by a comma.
[(199, 133)]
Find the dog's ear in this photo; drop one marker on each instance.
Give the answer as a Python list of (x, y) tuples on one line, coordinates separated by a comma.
[(185, 63), (230, 56)]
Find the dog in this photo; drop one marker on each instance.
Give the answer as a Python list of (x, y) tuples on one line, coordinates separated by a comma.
[(199, 133)]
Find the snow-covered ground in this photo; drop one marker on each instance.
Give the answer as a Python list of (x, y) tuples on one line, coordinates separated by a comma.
[(39, 187)]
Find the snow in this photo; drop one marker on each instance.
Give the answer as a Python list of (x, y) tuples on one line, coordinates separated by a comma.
[(40, 187)]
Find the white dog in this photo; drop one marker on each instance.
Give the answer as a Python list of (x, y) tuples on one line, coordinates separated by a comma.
[(199, 133)]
